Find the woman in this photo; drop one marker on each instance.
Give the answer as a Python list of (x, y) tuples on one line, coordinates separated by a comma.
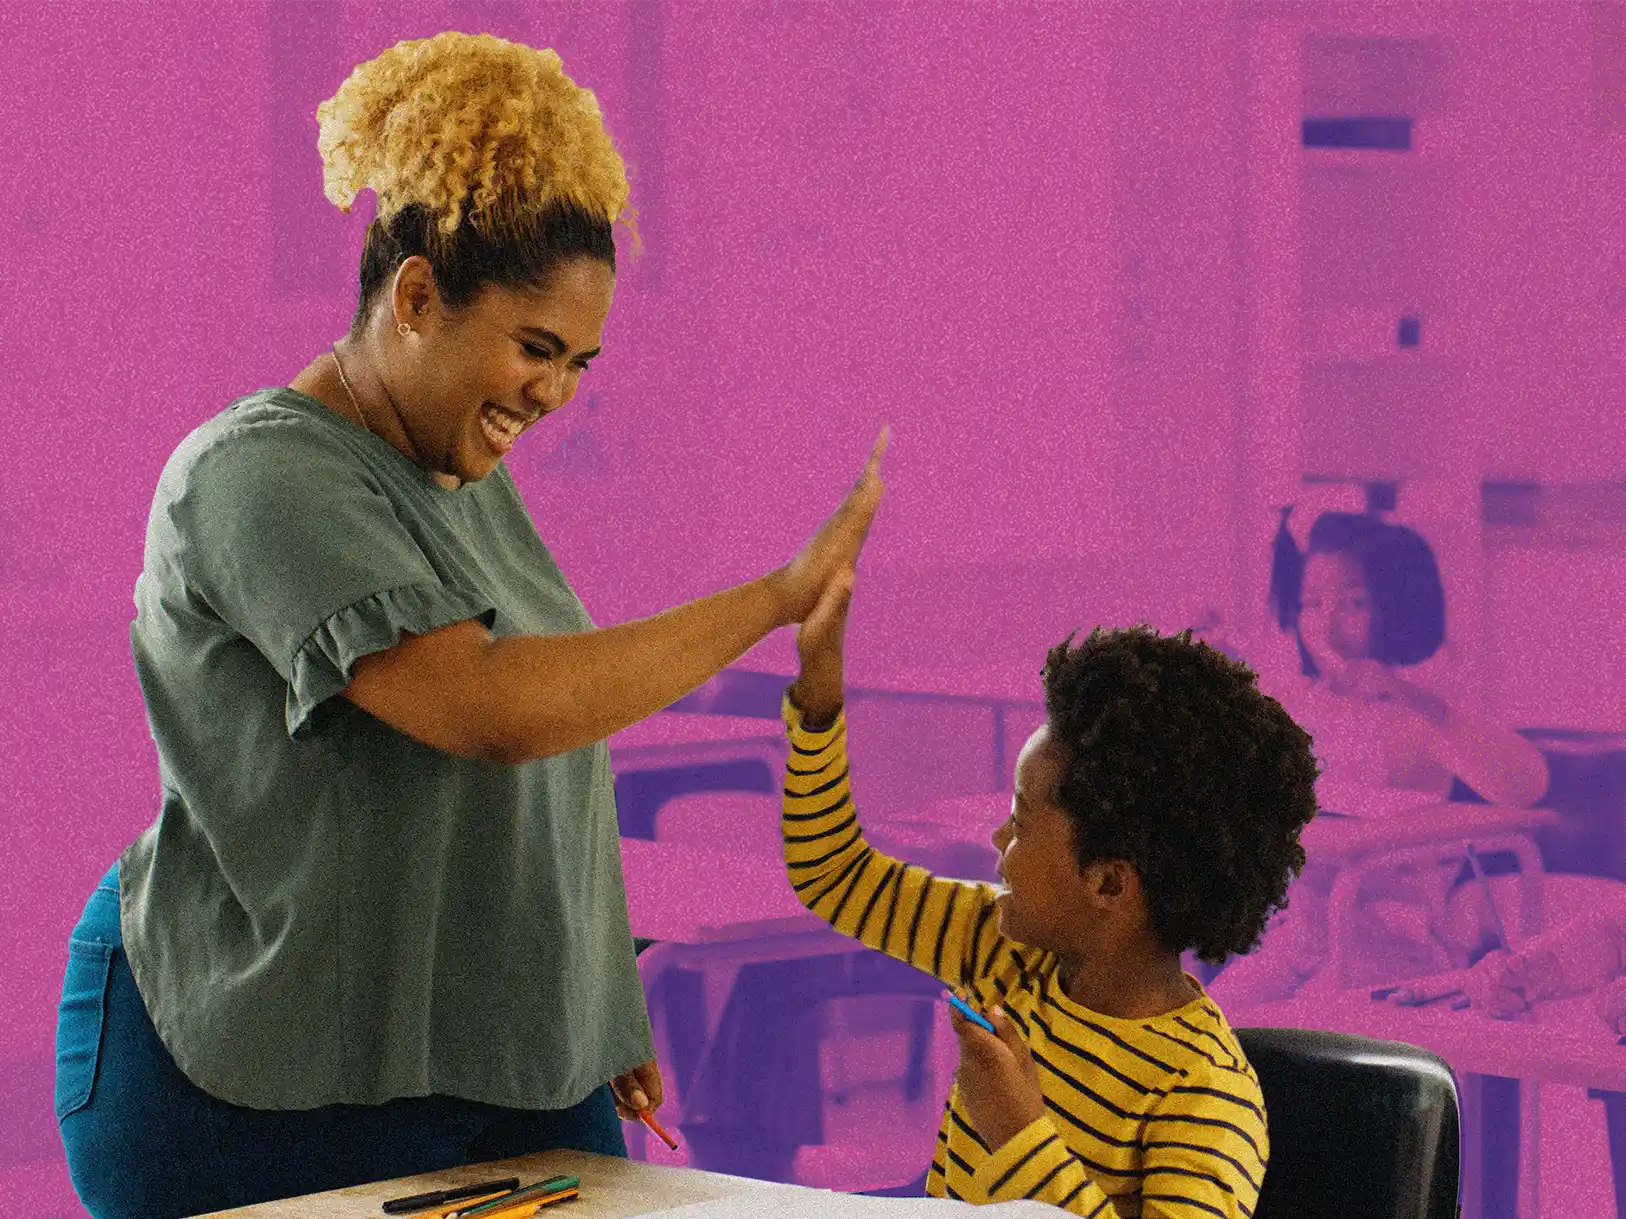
[(379, 925), (1361, 598)]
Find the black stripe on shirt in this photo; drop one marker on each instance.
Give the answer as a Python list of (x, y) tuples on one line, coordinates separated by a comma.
[(892, 905), (943, 930), (970, 964), (835, 915), (1208, 1121), (1085, 1090), (809, 753), (821, 788), (1095, 1134), (1186, 1045), (1202, 1206), (869, 906), (857, 861), (1186, 1024), (1044, 991), (1021, 1161), (837, 828), (846, 798), (1046, 1179), (1210, 1151), (914, 922), (1189, 1172), (1193, 1089), (969, 1132), (804, 865), (1094, 1059), (960, 1162)]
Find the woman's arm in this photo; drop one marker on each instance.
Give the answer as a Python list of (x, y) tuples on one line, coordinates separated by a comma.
[(532, 696), (518, 699)]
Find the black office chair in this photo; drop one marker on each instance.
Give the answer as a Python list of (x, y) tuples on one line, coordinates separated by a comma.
[(1359, 1128)]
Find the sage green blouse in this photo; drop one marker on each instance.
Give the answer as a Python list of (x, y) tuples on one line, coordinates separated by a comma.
[(327, 911)]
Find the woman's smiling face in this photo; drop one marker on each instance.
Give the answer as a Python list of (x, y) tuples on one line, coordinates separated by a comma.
[(472, 381)]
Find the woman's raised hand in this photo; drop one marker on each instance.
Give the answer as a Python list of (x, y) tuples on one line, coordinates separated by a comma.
[(836, 545)]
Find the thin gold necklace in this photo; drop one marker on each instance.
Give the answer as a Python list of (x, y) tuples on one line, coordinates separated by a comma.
[(356, 406), (349, 393)]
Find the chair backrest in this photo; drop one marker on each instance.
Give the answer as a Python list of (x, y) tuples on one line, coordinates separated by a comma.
[(1359, 1128)]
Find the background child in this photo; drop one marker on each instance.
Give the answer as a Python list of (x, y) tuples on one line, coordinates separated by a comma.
[(1158, 809), (1361, 599)]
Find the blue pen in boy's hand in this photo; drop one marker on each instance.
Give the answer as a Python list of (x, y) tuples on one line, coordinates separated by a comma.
[(969, 1012)]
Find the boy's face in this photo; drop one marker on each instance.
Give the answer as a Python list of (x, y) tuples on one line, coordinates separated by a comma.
[(1046, 902)]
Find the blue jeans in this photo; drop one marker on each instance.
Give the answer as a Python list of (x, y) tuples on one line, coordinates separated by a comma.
[(143, 1140)]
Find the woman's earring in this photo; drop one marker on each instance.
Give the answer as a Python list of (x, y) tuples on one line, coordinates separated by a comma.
[(403, 329)]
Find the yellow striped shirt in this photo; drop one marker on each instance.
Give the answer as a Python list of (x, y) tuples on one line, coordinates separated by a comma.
[(1159, 1118)]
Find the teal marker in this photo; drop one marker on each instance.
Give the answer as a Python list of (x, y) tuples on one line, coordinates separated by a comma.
[(970, 1013)]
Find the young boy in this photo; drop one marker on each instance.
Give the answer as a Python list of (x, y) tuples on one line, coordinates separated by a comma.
[(1157, 809)]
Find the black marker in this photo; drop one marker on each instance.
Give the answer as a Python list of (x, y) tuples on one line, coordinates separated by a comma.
[(440, 1197)]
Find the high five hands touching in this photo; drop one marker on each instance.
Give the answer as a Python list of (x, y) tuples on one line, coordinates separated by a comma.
[(836, 545), (814, 590), (822, 576)]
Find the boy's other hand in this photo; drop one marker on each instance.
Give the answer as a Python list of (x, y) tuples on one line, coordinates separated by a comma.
[(997, 1078), (819, 645)]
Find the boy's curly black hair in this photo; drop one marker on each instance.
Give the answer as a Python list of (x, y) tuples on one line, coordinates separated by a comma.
[(1176, 762)]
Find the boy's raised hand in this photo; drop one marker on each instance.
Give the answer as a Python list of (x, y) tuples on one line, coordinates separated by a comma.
[(819, 644)]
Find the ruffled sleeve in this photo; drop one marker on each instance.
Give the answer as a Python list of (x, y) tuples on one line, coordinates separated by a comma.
[(322, 666)]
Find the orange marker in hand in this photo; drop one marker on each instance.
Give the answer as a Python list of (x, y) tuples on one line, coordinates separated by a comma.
[(648, 1119)]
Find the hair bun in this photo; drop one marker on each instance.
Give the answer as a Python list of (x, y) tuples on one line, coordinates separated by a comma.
[(472, 127)]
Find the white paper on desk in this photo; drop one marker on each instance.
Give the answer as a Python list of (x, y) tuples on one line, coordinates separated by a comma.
[(826, 1204)]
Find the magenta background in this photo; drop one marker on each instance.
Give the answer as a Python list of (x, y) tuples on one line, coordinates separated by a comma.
[(1019, 232)]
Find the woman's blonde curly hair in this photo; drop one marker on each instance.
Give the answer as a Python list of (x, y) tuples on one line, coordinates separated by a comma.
[(469, 126), (476, 148)]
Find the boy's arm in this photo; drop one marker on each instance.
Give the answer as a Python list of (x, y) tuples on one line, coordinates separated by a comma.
[(949, 928), (1037, 1165)]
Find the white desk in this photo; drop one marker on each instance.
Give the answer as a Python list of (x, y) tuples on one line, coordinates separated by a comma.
[(611, 1188)]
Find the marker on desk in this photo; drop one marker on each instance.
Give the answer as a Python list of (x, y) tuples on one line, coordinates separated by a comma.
[(441, 1197), (447, 1211), (969, 1012), (542, 1191), (524, 1210)]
